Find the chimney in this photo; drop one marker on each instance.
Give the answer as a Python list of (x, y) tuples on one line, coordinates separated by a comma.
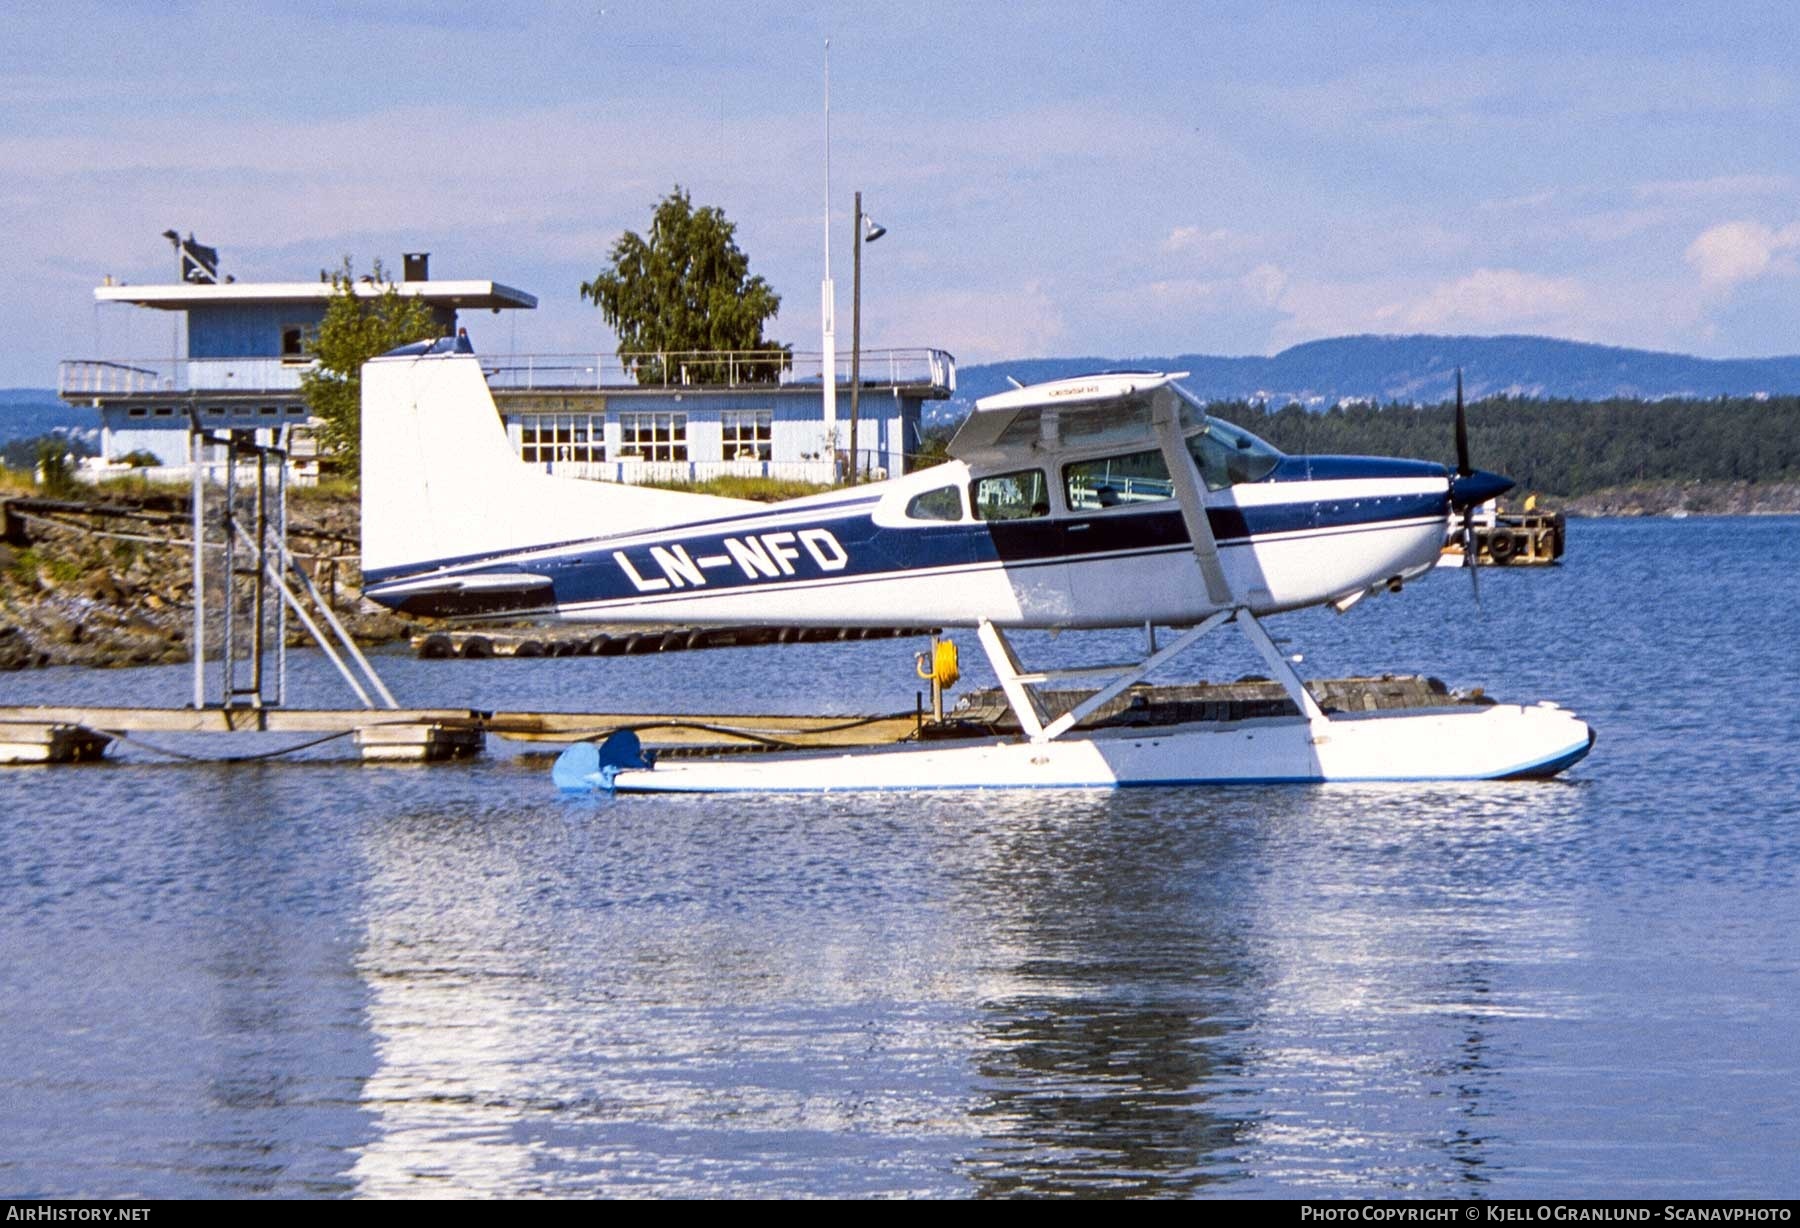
[(417, 266)]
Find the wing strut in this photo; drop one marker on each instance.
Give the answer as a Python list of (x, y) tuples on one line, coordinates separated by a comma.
[(1020, 685), (1034, 718), (1191, 492)]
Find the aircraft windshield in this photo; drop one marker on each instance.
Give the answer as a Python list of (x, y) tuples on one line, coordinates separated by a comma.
[(1229, 454)]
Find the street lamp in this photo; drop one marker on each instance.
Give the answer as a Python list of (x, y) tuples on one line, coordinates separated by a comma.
[(867, 231)]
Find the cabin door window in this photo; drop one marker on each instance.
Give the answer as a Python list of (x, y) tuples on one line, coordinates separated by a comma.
[(1129, 480), (1023, 495)]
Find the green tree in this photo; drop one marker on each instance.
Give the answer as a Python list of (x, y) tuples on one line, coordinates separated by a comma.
[(355, 329), (686, 289), (55, 473)]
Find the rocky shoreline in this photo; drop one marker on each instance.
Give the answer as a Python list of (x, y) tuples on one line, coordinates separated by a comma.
[(111, 584), (1688, 498)]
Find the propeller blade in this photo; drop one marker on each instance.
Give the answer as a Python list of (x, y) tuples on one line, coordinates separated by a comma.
[(1466, 493), (1463, 468), (1470, 557)]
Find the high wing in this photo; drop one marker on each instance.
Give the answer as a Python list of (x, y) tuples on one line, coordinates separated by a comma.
[(1114, 408), (1088, 408)]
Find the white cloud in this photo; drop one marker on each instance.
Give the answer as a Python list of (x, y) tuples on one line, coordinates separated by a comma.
[(1530, 200), (1497, 299), (1716, 187), (1649, 311), (1202, 240), (1732, 252), (979, 325), (1265, 283)]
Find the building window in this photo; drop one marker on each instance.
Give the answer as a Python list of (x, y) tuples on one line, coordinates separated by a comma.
[(653, 437), (297, 340), (562, 437), (747, 434)]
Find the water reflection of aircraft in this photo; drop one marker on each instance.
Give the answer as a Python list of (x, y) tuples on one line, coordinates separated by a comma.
[(1111, 500)]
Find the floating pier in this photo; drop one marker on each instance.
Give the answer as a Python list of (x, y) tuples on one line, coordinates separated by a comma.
[(634, 641), (58, 735), (1514, 539)]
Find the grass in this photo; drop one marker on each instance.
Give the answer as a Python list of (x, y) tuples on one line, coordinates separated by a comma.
[(335, 488), (139, 484), (339, 489), (761, 490), (28, 562)]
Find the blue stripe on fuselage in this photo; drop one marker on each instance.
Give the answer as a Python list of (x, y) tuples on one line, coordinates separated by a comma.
[(844, 542), (1359, 468)]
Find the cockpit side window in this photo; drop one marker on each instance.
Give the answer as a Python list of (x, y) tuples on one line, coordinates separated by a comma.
[(1022, 495), (1130, 480), (944, 503), (1227, 455)]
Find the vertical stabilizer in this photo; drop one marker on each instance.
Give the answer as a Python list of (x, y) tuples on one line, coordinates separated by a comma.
[(440, 479)]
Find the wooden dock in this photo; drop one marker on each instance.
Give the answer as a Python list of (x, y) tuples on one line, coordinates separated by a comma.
[(80, 734), (51, 734)]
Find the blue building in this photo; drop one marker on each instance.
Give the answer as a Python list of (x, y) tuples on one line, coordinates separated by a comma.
[(644, 417)]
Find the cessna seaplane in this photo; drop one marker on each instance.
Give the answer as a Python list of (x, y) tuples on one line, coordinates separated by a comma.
[(1110, 500)]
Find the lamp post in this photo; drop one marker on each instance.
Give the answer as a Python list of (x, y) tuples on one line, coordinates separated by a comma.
[(867, 231)]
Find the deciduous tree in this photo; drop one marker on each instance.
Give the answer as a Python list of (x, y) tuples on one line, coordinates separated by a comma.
[(355, 329), (686, 288)]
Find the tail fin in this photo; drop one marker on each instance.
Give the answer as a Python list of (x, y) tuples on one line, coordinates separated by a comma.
[(441, 481)]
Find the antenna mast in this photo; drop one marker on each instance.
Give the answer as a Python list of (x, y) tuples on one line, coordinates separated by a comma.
[(828, 295)]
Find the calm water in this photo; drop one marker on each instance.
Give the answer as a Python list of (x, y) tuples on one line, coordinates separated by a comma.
[(322, 979)]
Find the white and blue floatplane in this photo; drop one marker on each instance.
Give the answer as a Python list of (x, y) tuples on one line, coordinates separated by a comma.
[(1106, 501)]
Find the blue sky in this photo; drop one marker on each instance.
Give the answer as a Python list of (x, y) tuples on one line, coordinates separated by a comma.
[(1112, 179)]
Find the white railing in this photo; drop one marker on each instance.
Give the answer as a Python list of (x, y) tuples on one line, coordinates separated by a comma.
[(925, 369), (93, 472), (77, 377), (636, 472), (94, 376), (907, 368)]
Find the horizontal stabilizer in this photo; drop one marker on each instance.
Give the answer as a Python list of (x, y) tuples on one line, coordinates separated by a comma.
[(502, 582)]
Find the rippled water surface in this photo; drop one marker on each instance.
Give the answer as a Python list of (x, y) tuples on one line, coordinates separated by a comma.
[(319, 978)]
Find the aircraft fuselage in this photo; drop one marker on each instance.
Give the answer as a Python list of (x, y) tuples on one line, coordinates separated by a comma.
[(1313, 529)]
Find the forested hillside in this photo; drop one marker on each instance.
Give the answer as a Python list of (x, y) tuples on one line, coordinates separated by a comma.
[(1564, 447)]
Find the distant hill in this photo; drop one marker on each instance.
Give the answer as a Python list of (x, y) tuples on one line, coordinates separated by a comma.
[(1420, 369), (26, 413)]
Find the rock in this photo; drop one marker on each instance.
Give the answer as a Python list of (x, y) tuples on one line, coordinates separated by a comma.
[(16, 651)]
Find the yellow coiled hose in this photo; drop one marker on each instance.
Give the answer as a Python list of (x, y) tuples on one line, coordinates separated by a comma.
[(943, 669)]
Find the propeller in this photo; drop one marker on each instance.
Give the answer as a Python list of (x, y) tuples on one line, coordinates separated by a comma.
[(1470, 488)]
